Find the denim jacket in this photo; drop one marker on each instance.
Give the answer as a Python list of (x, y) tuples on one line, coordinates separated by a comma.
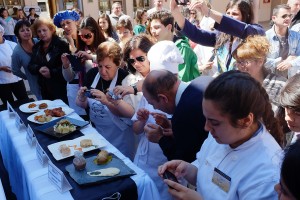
[(294, 50)]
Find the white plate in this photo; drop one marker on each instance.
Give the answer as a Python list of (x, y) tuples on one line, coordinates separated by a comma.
[(97, 140), (24, 107), (67, 110)]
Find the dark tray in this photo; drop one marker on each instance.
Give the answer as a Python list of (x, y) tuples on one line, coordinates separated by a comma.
[(48, 128), (82, 178)]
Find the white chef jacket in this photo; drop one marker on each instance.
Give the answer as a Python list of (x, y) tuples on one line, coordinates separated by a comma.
[(6, 50), (254, 168)]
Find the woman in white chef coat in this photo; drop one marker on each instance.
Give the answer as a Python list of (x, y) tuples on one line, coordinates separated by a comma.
[(240, 158), (9, 83), (111, 117)]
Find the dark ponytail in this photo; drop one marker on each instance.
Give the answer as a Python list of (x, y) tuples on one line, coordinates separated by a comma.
[(238, 94)]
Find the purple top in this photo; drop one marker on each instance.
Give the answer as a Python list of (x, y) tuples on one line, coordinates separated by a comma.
[(228, 25)]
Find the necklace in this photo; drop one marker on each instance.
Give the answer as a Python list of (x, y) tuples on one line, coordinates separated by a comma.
[(282, 40)]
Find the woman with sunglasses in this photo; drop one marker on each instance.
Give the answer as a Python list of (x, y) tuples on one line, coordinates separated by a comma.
[(107, 28), (141, 20), (46, 62), (235, 25), (135, 55), (76, 66), (22, 55), (251, 56), (148, 155), (107, 113)]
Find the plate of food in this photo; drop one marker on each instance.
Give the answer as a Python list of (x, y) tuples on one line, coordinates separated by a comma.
[(61, 127), (65, 149), (36, 106), (49, 115), (94, 173)]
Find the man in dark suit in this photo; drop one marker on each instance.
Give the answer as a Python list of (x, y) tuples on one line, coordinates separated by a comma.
[(166, 92)]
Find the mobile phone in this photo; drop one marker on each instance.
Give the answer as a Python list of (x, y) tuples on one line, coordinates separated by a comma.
[(112, 95), (170, 176), (182, 2), (75, 62), (212, 58), (88, 94)]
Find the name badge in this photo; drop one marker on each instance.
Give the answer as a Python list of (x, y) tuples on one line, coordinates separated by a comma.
[(11, 111), (221, 179), (48, 57), (57, 177), (41, 155), (18, 122), (30, 137)]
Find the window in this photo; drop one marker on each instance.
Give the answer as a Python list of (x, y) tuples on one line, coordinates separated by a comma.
[(140, 4)]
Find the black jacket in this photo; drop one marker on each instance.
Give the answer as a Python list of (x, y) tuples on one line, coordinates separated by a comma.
[(54, 87), (187, 124)]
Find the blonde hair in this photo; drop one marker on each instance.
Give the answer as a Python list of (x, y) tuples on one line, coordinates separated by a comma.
[(43, 21), (253, 47)]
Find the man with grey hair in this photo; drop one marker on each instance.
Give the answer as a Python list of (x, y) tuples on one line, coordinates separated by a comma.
[(116, 13)]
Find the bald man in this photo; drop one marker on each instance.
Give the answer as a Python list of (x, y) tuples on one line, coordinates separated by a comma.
[(164, 91), (295, 7)]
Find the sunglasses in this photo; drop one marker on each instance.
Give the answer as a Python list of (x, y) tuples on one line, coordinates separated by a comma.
[(139, 58), (286, 15), (87, 36), (192, 13)]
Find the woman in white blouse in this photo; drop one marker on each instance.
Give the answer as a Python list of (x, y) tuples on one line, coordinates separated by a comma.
[(9, 84)]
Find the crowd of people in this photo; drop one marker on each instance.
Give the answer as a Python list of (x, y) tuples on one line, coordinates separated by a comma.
[(212, 98)]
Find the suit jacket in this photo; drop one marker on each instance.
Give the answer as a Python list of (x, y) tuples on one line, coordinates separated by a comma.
[(187, 123)]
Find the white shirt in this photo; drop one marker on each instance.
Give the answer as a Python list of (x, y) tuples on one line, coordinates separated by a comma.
[(254, 168), (181, 88), (6, 50)]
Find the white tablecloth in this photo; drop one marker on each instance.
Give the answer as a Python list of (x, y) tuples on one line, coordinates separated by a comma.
[(2, 194), (29, 180)]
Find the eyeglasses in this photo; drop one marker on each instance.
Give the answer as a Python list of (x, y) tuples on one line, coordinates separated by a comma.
[(139, 58), (243, 62), (87, 36), (286, 15), (192, 13)]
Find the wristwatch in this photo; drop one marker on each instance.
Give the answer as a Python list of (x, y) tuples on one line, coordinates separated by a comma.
[(134, 89)]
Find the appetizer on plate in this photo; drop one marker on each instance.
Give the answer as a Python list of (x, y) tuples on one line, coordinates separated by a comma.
[(36, 106), (64, 126), (43, 106), (43, 118), (55, 112), (32, 105), (102, 158), (64, 150), (111, 171)]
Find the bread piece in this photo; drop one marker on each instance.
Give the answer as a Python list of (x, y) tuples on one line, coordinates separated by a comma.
[(43, 106), (64, 150), (102, 157), (86, 143)]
